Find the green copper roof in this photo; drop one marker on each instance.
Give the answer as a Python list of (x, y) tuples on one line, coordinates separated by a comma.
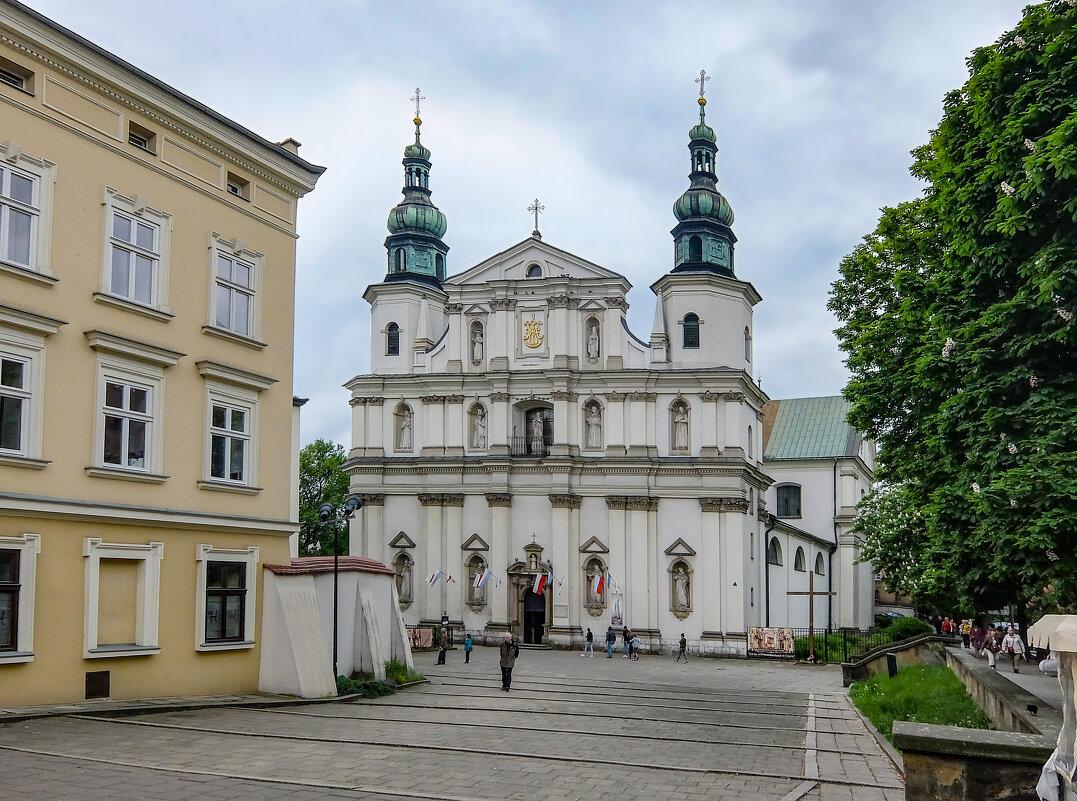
[(703, 203), (808, 428), (703, 131), (411, 215)]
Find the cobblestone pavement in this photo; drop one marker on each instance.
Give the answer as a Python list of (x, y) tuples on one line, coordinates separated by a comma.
[(570, 728)]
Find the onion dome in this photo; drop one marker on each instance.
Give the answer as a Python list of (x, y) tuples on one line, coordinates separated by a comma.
[(417, 215), (703, 204)]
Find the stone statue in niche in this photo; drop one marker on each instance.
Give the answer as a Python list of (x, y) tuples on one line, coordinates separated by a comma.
[(593, 572), (404, 440), (681, 589), (478, 437), (403, 579), (532, 561), (538, 445), (476, 344), (592, 343), (594, 426), (680, 427), (478, 594)]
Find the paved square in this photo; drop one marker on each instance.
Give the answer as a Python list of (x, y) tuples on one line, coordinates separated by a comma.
[(571, 728)]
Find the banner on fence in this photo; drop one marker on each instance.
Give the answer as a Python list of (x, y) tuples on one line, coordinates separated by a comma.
[(771, 642), (421, 637)]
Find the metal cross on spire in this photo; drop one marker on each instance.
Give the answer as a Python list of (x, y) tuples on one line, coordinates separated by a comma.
[(701, 80), (417, 98), (537, 208)]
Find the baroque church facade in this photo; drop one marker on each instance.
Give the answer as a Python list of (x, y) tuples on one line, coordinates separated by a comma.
[(512, 422)]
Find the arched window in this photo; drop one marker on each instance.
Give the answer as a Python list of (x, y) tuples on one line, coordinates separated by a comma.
[(695, 249), (747, 344), (800, 563), (401, 260), (774, 552), (439, 262), (751, 500), (788, 500), (820, 565), (392, 340), (750, 445), (533, 271), (691, 330)]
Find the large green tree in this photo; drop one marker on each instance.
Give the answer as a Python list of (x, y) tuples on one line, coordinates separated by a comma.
[(957, 318), (321, 480)]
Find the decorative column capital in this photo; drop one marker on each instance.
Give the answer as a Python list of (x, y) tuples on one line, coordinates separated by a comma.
[(454, 398), (503, 304), (616, 396), (454, 308), (375, 401), (740, 505), (500, 397), (558, 301), (432, 399), (429, 499), (566, 501), (637, 396), (710, 504), (498, 499), (734, 397), (356, 401), (373, 499), (710, 397), (761, 509), (617, 303), (616, 501), (453, 499), (563, 395), (641, 503)]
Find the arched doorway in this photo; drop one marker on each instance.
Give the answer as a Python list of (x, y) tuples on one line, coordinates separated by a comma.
[(534, 617)]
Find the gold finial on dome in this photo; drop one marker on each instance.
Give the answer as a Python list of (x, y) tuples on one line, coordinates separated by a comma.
[(417, 98)]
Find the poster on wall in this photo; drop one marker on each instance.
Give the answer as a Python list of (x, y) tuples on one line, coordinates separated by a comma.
[(773, 642), (617, 618)]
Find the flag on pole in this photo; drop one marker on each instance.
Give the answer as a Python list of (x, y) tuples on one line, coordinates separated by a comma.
[(540, 583), (483, 578), (438, 574), (598, 585)]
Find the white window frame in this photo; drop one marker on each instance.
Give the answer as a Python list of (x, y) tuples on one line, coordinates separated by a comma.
[(111, 369), (138, 209), (44, 174), (204, 554), (147, 613), (236, 249), (218, 394), (28, 546), (22, 335)]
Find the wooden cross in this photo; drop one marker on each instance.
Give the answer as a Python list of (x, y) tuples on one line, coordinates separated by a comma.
[(812, 595), (537, 208), (701, 80)]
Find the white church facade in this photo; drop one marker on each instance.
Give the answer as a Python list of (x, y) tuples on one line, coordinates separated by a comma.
[(513, 423)]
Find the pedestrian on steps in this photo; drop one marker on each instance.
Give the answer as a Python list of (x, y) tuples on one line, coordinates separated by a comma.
[(611, 638), (509, 651), (683, 649)]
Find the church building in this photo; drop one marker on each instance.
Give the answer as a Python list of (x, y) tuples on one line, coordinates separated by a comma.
[(514, 427)]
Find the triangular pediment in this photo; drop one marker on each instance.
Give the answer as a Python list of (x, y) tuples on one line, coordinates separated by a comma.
[(594, 545), (680, 548), (512, 264), (591, 305), (476, 308), (402, 540), (475, 543)]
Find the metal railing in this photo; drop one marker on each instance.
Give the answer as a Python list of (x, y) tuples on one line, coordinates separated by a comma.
[(528, 447)]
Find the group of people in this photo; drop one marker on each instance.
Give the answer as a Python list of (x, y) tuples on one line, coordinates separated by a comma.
[(991, 643)]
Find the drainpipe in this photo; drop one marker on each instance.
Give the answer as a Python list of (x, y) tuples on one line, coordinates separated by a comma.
[(830, 578), (772, 521)]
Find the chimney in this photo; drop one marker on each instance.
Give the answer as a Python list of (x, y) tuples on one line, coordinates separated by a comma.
[(291, 145)]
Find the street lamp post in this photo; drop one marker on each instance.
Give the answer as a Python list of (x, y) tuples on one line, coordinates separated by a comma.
[(326, 515)]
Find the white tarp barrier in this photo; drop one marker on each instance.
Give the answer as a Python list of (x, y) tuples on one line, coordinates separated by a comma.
[(1059, 633)]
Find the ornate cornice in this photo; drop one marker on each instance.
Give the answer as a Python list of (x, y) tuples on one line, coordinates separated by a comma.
[(566, 501), (454, 308), (373, 499), (500, 397), (617, 303), (558, 301), (432, 399), (498, 499), (563, 395), (616, 396), (503, 304)]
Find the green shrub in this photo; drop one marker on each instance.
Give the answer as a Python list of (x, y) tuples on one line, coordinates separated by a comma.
[(829, 647), (883, 621), (920, 694), (396, 672), (904, 627), (364, 688)]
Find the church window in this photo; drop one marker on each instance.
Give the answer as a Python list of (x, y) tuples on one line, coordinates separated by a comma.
[(401, 260), (820, 566), (392, 340), (439, 262), (774, 552), (691, 330), (750, 444), (800, 563), (788, 500), (751, 500), (695, 249), (533, 271), (537, 435), (747, 344)]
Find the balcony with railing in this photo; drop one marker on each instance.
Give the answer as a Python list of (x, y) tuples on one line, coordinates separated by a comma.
[(526, 447)]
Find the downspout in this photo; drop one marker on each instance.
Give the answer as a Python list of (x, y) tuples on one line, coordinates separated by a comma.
[(772, 521), (830, 578)]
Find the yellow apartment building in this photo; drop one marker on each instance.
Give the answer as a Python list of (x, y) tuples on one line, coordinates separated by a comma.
[(147, 422)]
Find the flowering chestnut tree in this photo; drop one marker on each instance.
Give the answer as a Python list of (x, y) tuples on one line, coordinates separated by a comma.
[(956, 315)]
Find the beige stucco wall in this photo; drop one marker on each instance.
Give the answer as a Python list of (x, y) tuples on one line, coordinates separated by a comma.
[(76, 115)]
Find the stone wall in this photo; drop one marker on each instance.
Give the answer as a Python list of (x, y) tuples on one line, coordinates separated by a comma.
[(1005, 704), (925, 650)]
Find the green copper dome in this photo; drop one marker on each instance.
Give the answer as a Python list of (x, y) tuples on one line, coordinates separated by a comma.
[(704, 132), (703, 203), (415, 215)]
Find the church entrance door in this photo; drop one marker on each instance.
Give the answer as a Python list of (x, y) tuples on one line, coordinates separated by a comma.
[(534, 617)]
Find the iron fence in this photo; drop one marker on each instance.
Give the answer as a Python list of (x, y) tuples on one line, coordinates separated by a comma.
[(822, 645)]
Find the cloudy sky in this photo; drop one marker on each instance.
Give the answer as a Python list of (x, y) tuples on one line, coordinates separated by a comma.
[(586, 106)]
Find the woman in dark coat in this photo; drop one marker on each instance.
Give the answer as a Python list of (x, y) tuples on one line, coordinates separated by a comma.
[(509, 651)]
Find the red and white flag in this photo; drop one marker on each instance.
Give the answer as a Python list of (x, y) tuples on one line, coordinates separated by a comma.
[(598, 584), (540, 583)]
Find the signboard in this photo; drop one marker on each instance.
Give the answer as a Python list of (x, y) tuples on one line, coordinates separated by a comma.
[(421, 637), (617, 617), (775, 643)]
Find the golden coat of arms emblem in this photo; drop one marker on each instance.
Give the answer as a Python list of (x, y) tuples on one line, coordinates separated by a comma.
[(533, 332)]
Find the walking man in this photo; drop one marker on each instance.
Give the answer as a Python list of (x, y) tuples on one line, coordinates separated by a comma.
[(509, 651), (444, 644), (467, 649), (611, 638), (626, 638), (589, 644), (683, 646)]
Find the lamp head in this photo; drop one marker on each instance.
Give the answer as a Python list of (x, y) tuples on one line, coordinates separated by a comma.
[(352, 505), (325, 511)]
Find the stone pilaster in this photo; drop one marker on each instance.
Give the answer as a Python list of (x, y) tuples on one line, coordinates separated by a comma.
[(500, 429), (708, 417), (375, 416), (615, 424), (709, 589), (500, 516), (455, 425)]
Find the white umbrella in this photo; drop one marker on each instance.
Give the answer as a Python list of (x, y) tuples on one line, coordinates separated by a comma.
[(1059, 632)]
